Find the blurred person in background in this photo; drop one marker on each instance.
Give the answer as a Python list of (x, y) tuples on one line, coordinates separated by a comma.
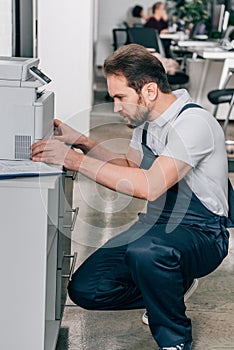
[(159, 19), (138, 17)]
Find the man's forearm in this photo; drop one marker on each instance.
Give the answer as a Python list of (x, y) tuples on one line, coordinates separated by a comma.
[(132, 181), (95, 150), (145, 184)]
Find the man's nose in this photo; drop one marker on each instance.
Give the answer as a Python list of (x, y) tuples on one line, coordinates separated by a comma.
[(117, 107)]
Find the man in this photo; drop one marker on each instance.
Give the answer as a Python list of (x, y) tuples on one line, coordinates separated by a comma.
[(177, 161)]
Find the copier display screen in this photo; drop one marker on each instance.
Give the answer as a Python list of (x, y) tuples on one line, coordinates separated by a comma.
[(38, 74)]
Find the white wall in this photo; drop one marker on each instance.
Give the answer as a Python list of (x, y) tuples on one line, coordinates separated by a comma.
[(111, 14), (65, 49), (5, 27)]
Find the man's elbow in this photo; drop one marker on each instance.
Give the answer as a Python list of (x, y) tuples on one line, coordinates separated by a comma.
[(147, 191), (148, 196), (152, 197), (153, 194)]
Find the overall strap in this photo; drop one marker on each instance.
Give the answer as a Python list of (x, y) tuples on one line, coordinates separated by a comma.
[(230, 222), (144, 134), (187, 106), (231, 204)]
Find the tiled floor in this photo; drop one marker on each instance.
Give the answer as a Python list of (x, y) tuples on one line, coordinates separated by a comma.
[(103, 214)]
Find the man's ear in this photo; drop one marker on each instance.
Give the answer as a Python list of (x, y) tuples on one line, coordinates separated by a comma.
[(150, 91)]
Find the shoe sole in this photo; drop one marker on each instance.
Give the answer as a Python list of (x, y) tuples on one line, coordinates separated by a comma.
[(187, 295), (187, 346), (145, 319), (191, 289)]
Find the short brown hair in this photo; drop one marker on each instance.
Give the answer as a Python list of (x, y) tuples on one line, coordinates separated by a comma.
[(138, 66)]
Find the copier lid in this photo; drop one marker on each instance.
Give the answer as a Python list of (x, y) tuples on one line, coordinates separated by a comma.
[(16, 68)]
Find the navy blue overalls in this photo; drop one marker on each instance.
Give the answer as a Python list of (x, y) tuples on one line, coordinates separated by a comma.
[(150, 264)]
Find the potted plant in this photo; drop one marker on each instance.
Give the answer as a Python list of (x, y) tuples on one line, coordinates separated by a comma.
[(193, 12)]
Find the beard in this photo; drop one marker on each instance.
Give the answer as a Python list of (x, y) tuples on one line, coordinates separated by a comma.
[(137, 122), (141, 115)]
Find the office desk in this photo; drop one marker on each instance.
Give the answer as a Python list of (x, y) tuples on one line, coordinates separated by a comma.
[(197, 43), (210, 54), (36, 215), (178, 36)]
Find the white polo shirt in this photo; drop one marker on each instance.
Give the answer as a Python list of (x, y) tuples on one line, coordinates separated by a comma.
[(196, 138)]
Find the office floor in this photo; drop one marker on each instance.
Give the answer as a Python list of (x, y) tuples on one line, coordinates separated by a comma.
[(103, 214)]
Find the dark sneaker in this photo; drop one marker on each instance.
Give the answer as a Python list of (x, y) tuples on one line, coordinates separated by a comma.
[(187, 295)]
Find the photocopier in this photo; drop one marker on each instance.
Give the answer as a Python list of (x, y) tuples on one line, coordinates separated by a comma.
[(27, 110)]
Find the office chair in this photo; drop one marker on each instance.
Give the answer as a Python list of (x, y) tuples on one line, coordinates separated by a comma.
[(120, 37), (149, 38), (223, 95), (125, 23)]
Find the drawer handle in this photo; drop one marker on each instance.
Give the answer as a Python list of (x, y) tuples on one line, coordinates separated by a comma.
[(73, 176), (75, 214), (74, 258)]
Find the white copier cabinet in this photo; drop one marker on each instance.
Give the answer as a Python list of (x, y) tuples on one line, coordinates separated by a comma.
[(33, 212)]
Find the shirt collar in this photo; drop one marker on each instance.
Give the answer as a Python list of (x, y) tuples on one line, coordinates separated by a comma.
[(182, 97)]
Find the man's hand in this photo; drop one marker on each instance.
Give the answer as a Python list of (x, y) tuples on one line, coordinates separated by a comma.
[(56, 152), (164, 15), (65, 133)]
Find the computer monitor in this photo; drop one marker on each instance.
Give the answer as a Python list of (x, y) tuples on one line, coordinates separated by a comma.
[(220, 18), (225, 20), (198, 29)]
